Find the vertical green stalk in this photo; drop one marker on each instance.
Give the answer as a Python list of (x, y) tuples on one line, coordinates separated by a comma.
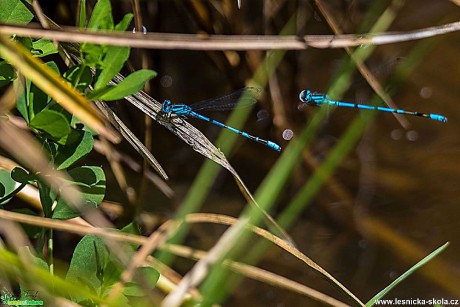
[(50, 251)]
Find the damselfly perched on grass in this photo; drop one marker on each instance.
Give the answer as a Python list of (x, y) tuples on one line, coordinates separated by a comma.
[(240, 98)]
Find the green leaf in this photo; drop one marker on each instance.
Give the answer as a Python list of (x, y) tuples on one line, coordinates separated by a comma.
[(406, 274), (70, 139), (130, 85), (92, 54), (39, 262), (54, 106), (47, 197), (7, 73), (14, 12), (26, 41), (101, 19), (82, 15), (43, 47), (149, 275), (92, 176), (112, 63), (124, 23), (22, 105), (7, 184), (68, 155), (91, 181), (22, 176), (52, 122), (36, 99), (25, 253), (80, 76), (131, 228), (88, 261)]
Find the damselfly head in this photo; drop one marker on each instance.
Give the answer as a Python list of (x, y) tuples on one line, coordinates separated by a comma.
[(166, 107), (305, 96)]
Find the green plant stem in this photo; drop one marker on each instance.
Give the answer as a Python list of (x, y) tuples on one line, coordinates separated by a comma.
[(50, 251)]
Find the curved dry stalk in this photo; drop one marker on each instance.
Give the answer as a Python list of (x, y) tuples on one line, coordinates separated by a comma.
[(226, 42), (196, 275), (226, 220), (257, 274), (113, 235)]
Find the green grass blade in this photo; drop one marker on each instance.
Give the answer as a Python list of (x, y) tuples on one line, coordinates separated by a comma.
[(406, 274)]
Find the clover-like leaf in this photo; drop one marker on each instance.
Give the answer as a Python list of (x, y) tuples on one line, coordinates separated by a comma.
[(91, 181), (66, 155), (52, 122)]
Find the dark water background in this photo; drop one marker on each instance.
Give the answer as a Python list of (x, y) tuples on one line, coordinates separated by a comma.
[(404, 182)]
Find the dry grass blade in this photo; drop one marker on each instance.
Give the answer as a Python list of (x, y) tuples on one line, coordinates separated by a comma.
[(169, 278), (118, 172), (227, 42), (258, 274), (130, 137), (106, 233), (53, 85), (178, 126), (200, 270), (125, 237), (226, 220), (8, 100), (70, 51), (136, 167)]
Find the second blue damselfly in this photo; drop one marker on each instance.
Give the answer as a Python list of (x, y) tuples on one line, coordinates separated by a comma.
[(240, 98), (318, 99)]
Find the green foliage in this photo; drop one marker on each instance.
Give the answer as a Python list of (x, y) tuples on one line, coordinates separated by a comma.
[(7, 73), (67, 142), (109, 60), (147, 275), (88, 263), (91, 181), (101, 19), (43, 47), (55, 124), (7, 185), (80, 76), (20, 175), (113, 61), (15, 12), (131, 84), (93, 266), (67, 155)]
